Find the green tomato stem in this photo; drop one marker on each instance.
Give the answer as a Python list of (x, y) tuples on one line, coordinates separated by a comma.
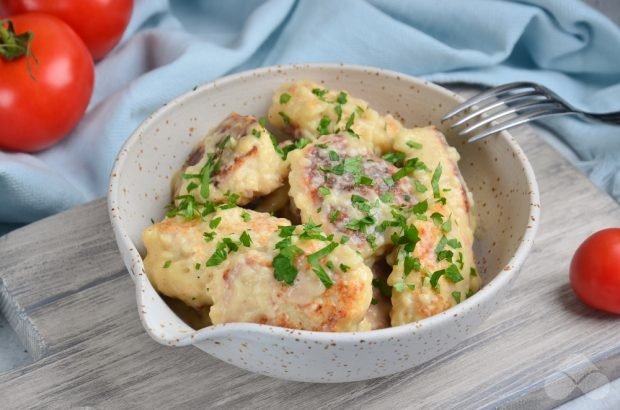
[(14, 46)]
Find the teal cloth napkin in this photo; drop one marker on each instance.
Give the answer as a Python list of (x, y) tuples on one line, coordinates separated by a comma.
[(171, 46)]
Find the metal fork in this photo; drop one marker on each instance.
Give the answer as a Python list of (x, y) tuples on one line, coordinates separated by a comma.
[(527, 101)]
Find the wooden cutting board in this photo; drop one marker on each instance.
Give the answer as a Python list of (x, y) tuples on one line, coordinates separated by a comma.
[(66, 292)]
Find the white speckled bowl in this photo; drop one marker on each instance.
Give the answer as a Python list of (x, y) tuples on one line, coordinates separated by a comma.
[(496, 170)]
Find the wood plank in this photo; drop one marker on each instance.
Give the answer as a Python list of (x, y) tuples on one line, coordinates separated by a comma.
[(74, 292)]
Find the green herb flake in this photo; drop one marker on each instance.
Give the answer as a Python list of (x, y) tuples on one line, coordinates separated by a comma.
[(344, 268), (342, 98), (246, 216), (469, 293), (413, 144), (284, 268), (344, 239), (420, 207), (454, 243), (245, 239), (395, 157), (333, 215), (399, 287), (472, 271), (420, 187), (459, 260), (256, 133), (437, 218), (284, 98), (324, 191), (435, 278), (313, 258), (373, 301), (386, 198), (333, 156), (361, 224), (286, 231), (338, 110), (262, 121), (323, 277), (435, 181), (330, 265), (218, 256), (215, 222), (447, 226), (445, 255), (441, 244), (323, 128), (411, 264), (222, 144), (456, 296), (208, 236), (191, 186), (319, 92), (383, 287), (197, 265), (365, 180), (285, 118), (167, 264), (452, 273)]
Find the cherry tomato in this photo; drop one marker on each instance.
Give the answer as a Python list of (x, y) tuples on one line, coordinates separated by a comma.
[(100, 23), (43, 95), (595, 270)]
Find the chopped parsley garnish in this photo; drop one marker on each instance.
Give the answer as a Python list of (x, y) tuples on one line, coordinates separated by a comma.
[(469, 293), (344, 239), (167, 264), (399, 287), (330, 265), (435, 181), (313, 258), (413, 144), (437, 218), (284, 151), (456, 296), (333, 156), (441, 244), (256, 133), (344, 268), (222, 144), (285, 118), (372, 241), (319, 92), (324, 191), (472, 272), (191, 186), (219, 255), (349, 124), (323, 128), (454, 243), (284, 98), (276, 146), (246, 216), (365, 180), (360, 203), (447, 226), (245, 239), (338, 110), (333, 215), (459, 260), (409, 166), (445, 255), (215, 222), (285, 231), (452, 273), (208, 236), (420, 187), (383, 287), (361, 224), (373, 301), (395, 157), (323, 277), (197, 265), (231, 200), (410, 264), (262, 121), (420, 207), (211, 167), (342, 98), (386, 198)]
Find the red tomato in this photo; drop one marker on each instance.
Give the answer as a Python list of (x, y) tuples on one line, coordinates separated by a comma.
[(42, 97), (595, 270), (100, 23)]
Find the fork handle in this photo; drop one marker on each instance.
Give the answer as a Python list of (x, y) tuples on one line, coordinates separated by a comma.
[(609, 118)]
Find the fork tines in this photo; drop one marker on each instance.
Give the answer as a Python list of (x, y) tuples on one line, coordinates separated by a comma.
[(525, 101)]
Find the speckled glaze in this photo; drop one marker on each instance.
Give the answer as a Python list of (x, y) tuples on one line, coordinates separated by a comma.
[(495, 169)]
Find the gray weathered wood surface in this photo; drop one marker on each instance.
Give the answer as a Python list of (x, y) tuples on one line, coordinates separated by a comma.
[(64, 288)]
